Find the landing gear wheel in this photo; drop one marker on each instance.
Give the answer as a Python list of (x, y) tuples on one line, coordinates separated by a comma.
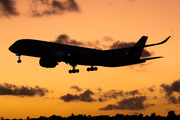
[(92, 69), (19, 61), (77, 70), (95, 68), (74, 71)]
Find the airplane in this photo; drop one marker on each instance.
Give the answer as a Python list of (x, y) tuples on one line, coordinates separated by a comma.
[(51, 53)]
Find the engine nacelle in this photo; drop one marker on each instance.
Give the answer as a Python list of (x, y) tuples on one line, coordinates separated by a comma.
[(47, 62)]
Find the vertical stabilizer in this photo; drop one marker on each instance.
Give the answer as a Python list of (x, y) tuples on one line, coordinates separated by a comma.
[(136, 52)]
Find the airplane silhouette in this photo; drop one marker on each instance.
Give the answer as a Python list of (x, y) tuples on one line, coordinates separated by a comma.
[(51, 53)]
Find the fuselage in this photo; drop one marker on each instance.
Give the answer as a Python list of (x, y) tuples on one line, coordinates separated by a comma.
[(71, 54)]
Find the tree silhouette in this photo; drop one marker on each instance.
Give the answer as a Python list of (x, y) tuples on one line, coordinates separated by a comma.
[(171, 116)]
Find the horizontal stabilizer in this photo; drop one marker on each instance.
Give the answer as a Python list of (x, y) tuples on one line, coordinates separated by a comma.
[(151, 58)]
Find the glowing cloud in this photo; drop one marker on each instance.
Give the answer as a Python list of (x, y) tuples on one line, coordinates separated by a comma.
[(9, 89), (8, 8)]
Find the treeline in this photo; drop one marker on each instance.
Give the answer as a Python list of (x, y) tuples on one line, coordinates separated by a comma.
[(171, 116)]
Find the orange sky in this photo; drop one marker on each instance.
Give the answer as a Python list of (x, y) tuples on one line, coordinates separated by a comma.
[(125, 20)]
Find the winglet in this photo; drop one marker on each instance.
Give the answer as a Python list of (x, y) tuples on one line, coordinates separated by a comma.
[(165, 40), (158, 43)]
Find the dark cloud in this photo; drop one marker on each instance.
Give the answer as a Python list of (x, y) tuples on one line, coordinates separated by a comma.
[(111, 94), (133, 92), (85, 97), (77, 88), (134, 103), (99, 89), (174, 87), (151, 89), (9, 89), (118, 44), (8, 8), (170, 89), (52, 7), (95, 44), (118, 93), (64, 39), (101, 100), (172, 99), (155, 97), (108, 39), (69, 97), (152, 104), (148, 105)]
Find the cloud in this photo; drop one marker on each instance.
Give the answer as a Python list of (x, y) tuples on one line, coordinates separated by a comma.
[(117, 93), (151, 89), (100, 100), (133, 92), (108, 39), (77, 88), (69, 97), (118, 44), (41, 8), (9, 89), (85, 97), (111, 94), (8, 8), (170, 89), (64, 39), (99, 89), (134, 103), (148, 105), (173, 99), (155, 97)]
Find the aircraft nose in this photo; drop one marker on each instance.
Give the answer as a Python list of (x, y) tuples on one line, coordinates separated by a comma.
[(11, 48), (14, 47)]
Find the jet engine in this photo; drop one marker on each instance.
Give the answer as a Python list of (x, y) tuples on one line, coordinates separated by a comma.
[(47, 62)]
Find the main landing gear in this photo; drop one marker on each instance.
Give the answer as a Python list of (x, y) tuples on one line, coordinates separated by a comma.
[(19, 59), (74, 70), (92, 69)]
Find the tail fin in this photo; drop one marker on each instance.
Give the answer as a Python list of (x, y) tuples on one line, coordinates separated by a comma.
[(136, 51)]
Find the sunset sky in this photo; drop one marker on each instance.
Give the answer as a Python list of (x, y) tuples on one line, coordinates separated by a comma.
[(27, 89)]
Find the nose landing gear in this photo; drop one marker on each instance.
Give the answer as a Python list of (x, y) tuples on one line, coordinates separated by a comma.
[(19, 59)]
